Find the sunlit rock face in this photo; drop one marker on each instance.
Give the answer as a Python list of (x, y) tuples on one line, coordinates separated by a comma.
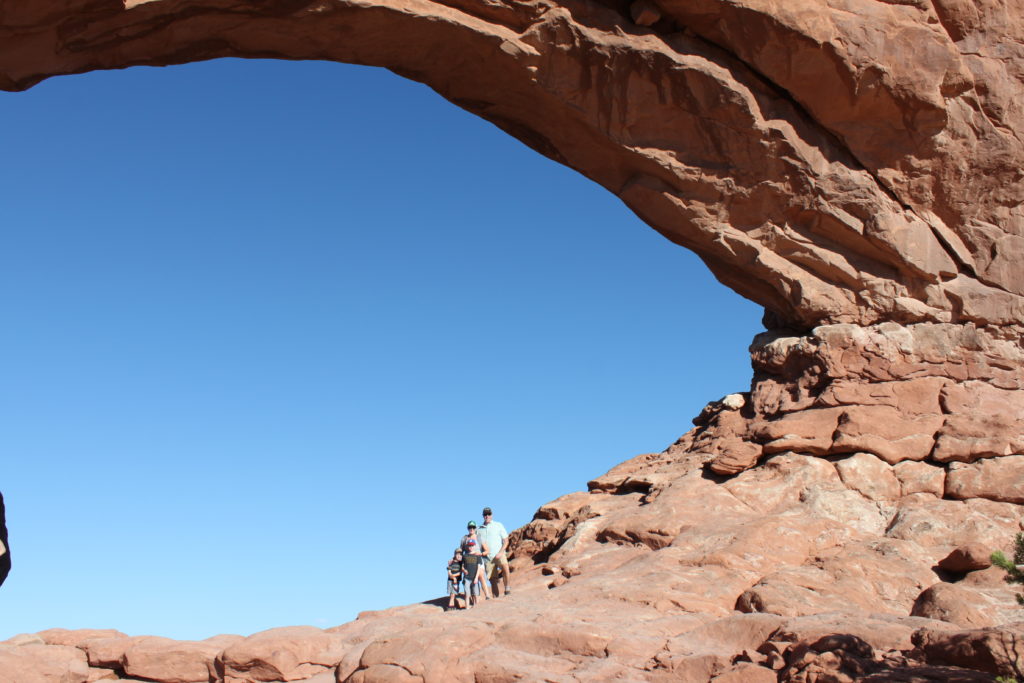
[(855, 166), (836, 161)]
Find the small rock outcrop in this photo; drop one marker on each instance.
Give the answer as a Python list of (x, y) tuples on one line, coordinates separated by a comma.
[(967, 558)]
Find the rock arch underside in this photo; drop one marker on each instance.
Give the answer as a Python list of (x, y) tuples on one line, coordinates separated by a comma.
[(855, 166)]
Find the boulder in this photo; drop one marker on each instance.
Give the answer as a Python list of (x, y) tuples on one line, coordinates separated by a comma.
[(997, 651), (37, 663), (280, 654), (735, 456), (170, 661), (967, 558), (953, 603)]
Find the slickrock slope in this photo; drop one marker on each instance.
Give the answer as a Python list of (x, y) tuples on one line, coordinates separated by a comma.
[(855, 166), (803, 566)]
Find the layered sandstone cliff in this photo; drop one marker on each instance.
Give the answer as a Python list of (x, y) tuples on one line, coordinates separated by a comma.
[(855, 166)]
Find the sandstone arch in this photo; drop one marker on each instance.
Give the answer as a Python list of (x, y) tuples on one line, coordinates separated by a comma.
[(802, 152), (853, 166)]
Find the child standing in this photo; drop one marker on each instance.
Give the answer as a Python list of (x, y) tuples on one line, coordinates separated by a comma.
[(474, 552), (454, 577)]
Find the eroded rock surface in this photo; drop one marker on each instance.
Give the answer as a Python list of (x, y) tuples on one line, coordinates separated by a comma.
[(855, 166), (850, 161), (803, 567)]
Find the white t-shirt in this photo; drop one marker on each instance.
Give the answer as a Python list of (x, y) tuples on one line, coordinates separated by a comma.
[(493, 535)]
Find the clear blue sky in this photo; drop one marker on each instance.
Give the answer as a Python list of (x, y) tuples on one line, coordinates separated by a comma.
[(268, 323)]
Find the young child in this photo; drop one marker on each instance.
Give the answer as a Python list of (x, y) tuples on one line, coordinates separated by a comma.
[(454, 578)]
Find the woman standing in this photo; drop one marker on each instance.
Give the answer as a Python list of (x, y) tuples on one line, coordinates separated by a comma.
[(474, 550)]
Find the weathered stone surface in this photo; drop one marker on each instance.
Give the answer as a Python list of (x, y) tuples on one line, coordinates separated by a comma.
[(917, 392), (855, 167), (280, 654), (953, 603), (106, 652), (845, 647), (945, 524), (672, 558), (781, 480), (997, 651), (35, 663), (806, 431), (884, 431), (25, 639), (785, 567), (735, 456), (879, 631), (869, 476), (818, 164), (1000, 479), (984, 422), (920, 477), (746, 673), (96, 674), (967, 558), (75, 638), (170, 661)]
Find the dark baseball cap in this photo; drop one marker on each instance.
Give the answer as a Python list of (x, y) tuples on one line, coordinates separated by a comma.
[(487, 511)]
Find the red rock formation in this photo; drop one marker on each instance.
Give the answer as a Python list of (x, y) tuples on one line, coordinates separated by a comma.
[(855, 169), (852, 165), (847, 164)]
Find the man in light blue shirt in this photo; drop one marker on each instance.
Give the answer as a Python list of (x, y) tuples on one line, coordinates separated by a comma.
[(495, 537)]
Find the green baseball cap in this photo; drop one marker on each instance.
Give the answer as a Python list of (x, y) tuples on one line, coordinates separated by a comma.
[(471, 525)]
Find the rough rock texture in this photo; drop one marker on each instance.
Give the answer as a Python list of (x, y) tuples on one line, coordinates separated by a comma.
[(967, 558), (996, 651), (953, 603), (849, 161), (793, 570), (855, 166)]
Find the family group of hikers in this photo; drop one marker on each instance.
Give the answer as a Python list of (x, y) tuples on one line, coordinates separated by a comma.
[(478, 562)]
